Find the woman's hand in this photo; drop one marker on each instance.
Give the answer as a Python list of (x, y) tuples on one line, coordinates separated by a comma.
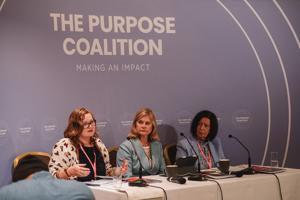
[(78, 170), (124, 166)]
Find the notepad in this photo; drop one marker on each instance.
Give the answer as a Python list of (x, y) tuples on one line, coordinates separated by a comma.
[(219, 175)]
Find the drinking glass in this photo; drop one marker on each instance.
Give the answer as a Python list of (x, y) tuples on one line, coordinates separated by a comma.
[(274, 159), (117, 177)]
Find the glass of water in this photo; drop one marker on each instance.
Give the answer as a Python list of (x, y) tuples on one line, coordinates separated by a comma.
[(117, 177), (274, 159)]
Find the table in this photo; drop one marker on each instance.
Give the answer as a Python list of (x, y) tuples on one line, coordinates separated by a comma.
[(248, 187)]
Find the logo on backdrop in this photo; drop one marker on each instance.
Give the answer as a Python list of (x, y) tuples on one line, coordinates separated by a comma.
[(49, 127), (25, 127), (115, 36), (123, 26), (3, 128), (242, 119)]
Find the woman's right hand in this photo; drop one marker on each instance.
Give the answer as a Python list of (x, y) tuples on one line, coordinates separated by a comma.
[(124, 167), (78, 170)]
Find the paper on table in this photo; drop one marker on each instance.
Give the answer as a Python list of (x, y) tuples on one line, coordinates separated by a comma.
[(219, 175), (267, 169), (99, 182)]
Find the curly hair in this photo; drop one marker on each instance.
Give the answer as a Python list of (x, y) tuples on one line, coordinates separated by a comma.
[(213, 124), (75, 126)]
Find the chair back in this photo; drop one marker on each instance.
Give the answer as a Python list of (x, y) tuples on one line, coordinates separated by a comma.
[(43, 156), (170, 153), (112, 151)]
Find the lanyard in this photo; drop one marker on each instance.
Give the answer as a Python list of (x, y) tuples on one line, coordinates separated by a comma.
[(206, 158), (92, 164)]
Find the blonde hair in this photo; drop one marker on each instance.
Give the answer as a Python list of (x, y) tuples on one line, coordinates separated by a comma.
[(75, 126), (140, 114)]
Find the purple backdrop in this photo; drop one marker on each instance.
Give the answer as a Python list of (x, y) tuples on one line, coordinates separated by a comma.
[(237, 59)]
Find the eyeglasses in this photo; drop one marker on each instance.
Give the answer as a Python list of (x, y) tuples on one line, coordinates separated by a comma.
[(89, 124)]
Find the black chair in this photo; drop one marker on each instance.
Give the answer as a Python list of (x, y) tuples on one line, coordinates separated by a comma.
[(112, 151), (170, 153)]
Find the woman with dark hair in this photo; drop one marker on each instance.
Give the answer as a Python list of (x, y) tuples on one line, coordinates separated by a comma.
[(33, 181), (142, 146), (204, 129), (80, 154)]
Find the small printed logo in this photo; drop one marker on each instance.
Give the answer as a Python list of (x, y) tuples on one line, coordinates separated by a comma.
[(159, 121), (242, 119), (126, 122), (49, 128), (184, 121), (3, 132), (25, 130), (101, 124)]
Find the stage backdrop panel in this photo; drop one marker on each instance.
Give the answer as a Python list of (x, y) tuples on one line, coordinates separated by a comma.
[(239, 59)]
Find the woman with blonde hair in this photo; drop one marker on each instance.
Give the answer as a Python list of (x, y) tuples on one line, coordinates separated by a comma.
[(142, 148)]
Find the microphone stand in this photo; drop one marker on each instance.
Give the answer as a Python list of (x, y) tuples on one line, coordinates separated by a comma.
[(140, 172), (249, 169), (198, 176), (140, 182)]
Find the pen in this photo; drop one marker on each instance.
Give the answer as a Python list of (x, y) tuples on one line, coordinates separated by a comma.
[(92, 184)]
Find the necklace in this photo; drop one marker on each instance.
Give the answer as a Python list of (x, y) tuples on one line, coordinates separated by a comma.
[(147, 150)]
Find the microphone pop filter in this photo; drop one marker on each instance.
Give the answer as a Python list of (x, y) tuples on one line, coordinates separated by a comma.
[(181, 180)]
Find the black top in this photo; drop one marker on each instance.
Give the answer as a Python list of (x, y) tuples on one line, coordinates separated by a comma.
[(100, 165)]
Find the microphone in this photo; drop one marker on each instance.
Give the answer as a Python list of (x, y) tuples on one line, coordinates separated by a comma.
[(199, 176), (140, 182), (248, 170), (182, 134), (179, 180), (239, 173)]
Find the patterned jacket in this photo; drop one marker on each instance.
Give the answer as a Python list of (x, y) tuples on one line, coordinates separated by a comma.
[(65, 155)]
